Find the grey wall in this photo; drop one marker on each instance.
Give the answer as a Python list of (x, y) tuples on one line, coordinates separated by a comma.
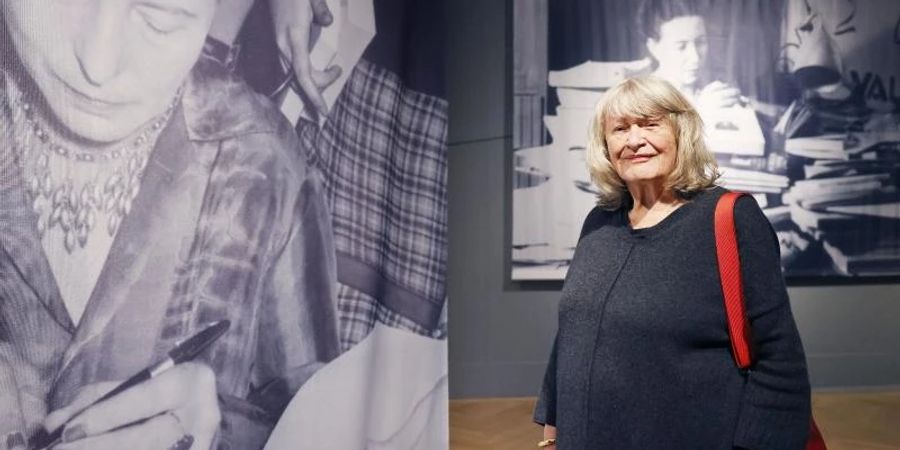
[(500, 334)]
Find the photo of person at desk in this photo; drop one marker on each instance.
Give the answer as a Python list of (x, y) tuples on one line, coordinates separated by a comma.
[(146, 192), (676, 41)]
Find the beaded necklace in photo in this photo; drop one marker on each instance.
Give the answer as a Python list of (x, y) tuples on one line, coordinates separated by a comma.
[(73, 206)]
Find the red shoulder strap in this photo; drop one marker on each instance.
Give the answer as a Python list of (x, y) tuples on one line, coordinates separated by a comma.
[(730, 277), (733, 289)]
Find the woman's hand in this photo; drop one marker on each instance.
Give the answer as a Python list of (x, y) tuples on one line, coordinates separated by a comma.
[(550, 433), (294, 21), (177, 409), (718, 95)]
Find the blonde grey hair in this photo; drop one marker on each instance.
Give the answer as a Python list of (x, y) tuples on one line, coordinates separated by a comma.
[(643, 98)]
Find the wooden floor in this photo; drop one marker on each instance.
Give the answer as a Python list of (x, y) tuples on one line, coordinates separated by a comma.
[(849, 421)]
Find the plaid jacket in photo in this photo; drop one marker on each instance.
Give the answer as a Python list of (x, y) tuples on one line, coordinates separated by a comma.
[(383, 156)]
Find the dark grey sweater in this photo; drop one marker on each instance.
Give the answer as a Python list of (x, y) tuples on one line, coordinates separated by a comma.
[(642, 358)]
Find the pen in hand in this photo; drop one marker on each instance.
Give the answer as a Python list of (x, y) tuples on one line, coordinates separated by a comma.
[(186, 351)]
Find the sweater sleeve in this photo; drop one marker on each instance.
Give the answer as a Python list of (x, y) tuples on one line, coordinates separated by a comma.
[(545, 409), (775, 410)]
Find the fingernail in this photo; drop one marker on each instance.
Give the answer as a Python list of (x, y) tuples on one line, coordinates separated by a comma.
[(73, 433), (15, 440)]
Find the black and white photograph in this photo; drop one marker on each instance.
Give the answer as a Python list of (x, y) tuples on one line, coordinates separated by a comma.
[(223, 224), (800, 101)]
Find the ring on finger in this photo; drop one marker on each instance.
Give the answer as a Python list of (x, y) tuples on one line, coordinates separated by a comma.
[(186, 440), (183, 443)]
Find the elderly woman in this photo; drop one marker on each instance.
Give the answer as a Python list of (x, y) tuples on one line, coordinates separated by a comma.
[(642, 358), (146, 193)]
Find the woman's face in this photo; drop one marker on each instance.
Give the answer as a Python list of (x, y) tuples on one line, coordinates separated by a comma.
[(641, 150), (107, 67), (680, 50)]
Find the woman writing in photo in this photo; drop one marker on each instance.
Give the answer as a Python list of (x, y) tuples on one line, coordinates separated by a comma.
[(146, 192)]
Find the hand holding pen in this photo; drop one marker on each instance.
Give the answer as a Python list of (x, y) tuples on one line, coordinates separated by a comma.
[(171, 405)]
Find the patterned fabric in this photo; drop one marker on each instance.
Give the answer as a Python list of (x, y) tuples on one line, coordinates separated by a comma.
[(383, 156), (359, 313), (229, 223)]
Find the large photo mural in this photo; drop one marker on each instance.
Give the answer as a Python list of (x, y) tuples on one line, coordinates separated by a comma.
[(223, 224), (800, 100)]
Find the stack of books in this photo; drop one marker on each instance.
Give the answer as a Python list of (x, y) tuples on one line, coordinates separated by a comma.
[(845, 195), (839, 146), (752, 181), (765, 177), (853, 208)]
